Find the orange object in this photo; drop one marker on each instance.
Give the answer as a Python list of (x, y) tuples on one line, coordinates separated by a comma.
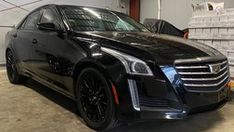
[(231, 84), (135, 10)]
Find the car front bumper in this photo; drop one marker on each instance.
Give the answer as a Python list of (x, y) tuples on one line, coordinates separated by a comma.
[(162, 98), (154, 113)]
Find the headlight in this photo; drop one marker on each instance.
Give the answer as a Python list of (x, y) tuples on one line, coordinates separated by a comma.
[(132, 64)]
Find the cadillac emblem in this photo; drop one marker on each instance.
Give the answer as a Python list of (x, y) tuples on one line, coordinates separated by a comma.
[(215, 68)]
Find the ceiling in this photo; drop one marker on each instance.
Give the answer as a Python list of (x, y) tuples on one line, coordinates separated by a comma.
[(6, 5)]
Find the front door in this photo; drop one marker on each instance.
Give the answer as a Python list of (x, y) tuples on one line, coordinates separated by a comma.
[(54, 55), (23, 41)]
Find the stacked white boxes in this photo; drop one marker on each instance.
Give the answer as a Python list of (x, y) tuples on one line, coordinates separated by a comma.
[(216, 29)]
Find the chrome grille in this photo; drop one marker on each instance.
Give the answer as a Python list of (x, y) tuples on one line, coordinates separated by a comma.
[(198, 77)]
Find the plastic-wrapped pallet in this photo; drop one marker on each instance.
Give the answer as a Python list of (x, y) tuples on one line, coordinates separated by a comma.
[(216, 29)]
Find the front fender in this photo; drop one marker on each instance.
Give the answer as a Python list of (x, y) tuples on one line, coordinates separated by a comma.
[(115, 73)]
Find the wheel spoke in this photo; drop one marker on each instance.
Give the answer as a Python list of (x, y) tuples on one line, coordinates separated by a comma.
[(100, 110), (86, 83)]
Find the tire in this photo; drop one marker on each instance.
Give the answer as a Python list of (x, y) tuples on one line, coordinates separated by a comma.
[(95, 101), (12, 72)]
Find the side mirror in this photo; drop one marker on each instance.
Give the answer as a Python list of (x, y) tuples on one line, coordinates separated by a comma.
[(47, 26)]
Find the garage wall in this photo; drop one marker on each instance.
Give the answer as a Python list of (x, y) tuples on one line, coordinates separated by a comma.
[(148, 9), (178, 12), (13, 16)]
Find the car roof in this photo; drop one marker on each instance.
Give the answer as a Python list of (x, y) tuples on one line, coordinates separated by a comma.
[(58, 6), (63, 5)]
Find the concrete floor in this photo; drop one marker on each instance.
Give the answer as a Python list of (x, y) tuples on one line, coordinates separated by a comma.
[(36, 108)]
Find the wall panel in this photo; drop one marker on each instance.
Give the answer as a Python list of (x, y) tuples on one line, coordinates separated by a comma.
[(178, 12)]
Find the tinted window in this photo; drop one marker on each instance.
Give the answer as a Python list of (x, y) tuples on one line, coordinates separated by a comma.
[(31, 21), (92, 19)]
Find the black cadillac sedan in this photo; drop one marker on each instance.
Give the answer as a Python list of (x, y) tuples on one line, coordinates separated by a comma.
[(113, 67)]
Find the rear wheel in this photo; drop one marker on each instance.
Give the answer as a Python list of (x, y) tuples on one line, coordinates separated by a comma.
[(12, 72), (95, 100)]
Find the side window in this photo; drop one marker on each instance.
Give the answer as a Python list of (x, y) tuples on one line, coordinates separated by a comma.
[(31, 21)]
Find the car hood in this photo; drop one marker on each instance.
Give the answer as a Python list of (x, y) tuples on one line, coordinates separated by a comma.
[(164, 49)]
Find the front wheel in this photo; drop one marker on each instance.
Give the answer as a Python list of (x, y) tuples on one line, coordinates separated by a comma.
[(95, 101), (12, 72)]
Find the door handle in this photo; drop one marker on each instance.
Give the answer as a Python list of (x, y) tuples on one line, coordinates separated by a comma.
[(34, 41)]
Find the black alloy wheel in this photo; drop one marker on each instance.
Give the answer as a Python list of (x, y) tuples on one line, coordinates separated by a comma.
[(12, 72), (95, 100)]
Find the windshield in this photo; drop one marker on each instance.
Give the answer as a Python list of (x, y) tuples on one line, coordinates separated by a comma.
[(92, 19)]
